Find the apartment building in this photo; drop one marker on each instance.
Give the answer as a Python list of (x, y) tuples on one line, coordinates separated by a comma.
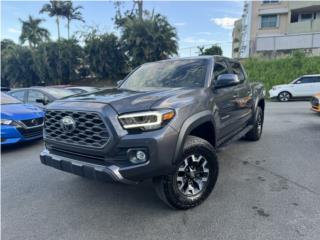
[(275, 27), (236, 38)]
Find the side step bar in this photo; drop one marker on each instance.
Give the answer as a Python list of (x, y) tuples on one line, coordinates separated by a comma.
[(226, 140)]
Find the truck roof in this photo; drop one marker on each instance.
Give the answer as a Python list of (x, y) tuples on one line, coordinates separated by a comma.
[(194, 58)]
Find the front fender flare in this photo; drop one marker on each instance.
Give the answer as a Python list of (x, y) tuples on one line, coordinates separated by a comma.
[(187, 127)]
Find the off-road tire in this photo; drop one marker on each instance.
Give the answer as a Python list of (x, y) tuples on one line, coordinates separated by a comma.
[(167, 188), (255, 133)]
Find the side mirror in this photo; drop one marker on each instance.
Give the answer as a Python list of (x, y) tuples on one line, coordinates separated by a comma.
[(226, 80), (298, 82), (41, 100), (119, 83)]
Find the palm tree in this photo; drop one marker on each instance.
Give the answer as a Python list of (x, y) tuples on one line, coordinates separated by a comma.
[(55, 8), (72, 13), (32, 32)]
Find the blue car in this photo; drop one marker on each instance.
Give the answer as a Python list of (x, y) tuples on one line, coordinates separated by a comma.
[(19, 122)]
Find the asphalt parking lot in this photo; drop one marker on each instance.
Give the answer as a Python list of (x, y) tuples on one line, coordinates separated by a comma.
[(266, 190)]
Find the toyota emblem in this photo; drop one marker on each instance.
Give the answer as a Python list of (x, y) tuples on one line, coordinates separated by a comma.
[(68, 124)]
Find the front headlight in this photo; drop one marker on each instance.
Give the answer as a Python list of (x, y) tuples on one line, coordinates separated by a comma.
[(9, 122), (146, 120)]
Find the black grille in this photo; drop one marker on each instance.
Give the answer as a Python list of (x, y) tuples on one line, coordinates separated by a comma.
[(33, 122), (90, 130), (31, 132)]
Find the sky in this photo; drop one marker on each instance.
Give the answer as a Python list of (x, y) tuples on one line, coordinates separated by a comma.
[(198, 23)]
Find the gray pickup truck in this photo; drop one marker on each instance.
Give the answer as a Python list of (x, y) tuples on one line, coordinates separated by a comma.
[(164, 122)]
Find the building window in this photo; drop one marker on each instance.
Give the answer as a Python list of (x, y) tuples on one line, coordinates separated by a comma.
[(270, 1), (269, 21), (306, 16)]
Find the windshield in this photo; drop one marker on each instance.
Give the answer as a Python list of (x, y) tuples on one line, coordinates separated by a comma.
[(6, 99), (58, 93), (168, 74)]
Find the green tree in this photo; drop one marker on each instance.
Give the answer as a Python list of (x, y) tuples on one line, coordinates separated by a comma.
[(146, 39), (32, 32), (72, 13), (17, 65), (213, 50), (7, 46), (104, 55), (55, 8), (58, 67)]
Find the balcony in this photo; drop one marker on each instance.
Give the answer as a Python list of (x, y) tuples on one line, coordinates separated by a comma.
[(288, 42), (304, 26)]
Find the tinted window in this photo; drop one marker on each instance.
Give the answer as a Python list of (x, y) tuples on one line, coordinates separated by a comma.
[(168, 74), (237, 69), (219, 68), (6, 99), (316, 79), (34, 95), (18, 95), (306, 80)]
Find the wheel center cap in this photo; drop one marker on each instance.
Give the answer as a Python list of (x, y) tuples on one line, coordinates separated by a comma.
[(192, 173)]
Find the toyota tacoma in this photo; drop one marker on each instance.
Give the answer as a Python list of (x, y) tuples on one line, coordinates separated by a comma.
[(164, 121)]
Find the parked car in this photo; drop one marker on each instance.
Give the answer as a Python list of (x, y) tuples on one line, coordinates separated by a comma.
[(315, 102), (165, 122), (302, 87), (19, 122), (40, 96), (80, 89)]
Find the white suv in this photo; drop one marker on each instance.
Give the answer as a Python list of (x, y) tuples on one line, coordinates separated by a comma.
[(304, 86)]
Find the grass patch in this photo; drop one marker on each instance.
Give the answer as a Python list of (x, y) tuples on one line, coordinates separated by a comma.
[(281, 71)]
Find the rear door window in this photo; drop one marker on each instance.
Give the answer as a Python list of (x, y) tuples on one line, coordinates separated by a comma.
[(34, 95), (316, 79), (220, 67), (237, 69), (18, 95)]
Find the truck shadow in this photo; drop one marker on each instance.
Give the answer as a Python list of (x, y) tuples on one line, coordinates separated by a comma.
[(119, 197)]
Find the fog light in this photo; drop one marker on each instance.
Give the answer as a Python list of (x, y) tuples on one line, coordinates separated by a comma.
[(141, 156), (137, 156)]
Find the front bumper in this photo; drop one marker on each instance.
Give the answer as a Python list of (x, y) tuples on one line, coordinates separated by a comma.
[(160, 147), (109, 173), (11, 135), (273, 93)]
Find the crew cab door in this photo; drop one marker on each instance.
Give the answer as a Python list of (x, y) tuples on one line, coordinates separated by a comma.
[(224, 100), (243, 101)]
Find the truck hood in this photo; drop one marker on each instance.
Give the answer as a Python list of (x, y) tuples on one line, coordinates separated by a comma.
[(123, 100)]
